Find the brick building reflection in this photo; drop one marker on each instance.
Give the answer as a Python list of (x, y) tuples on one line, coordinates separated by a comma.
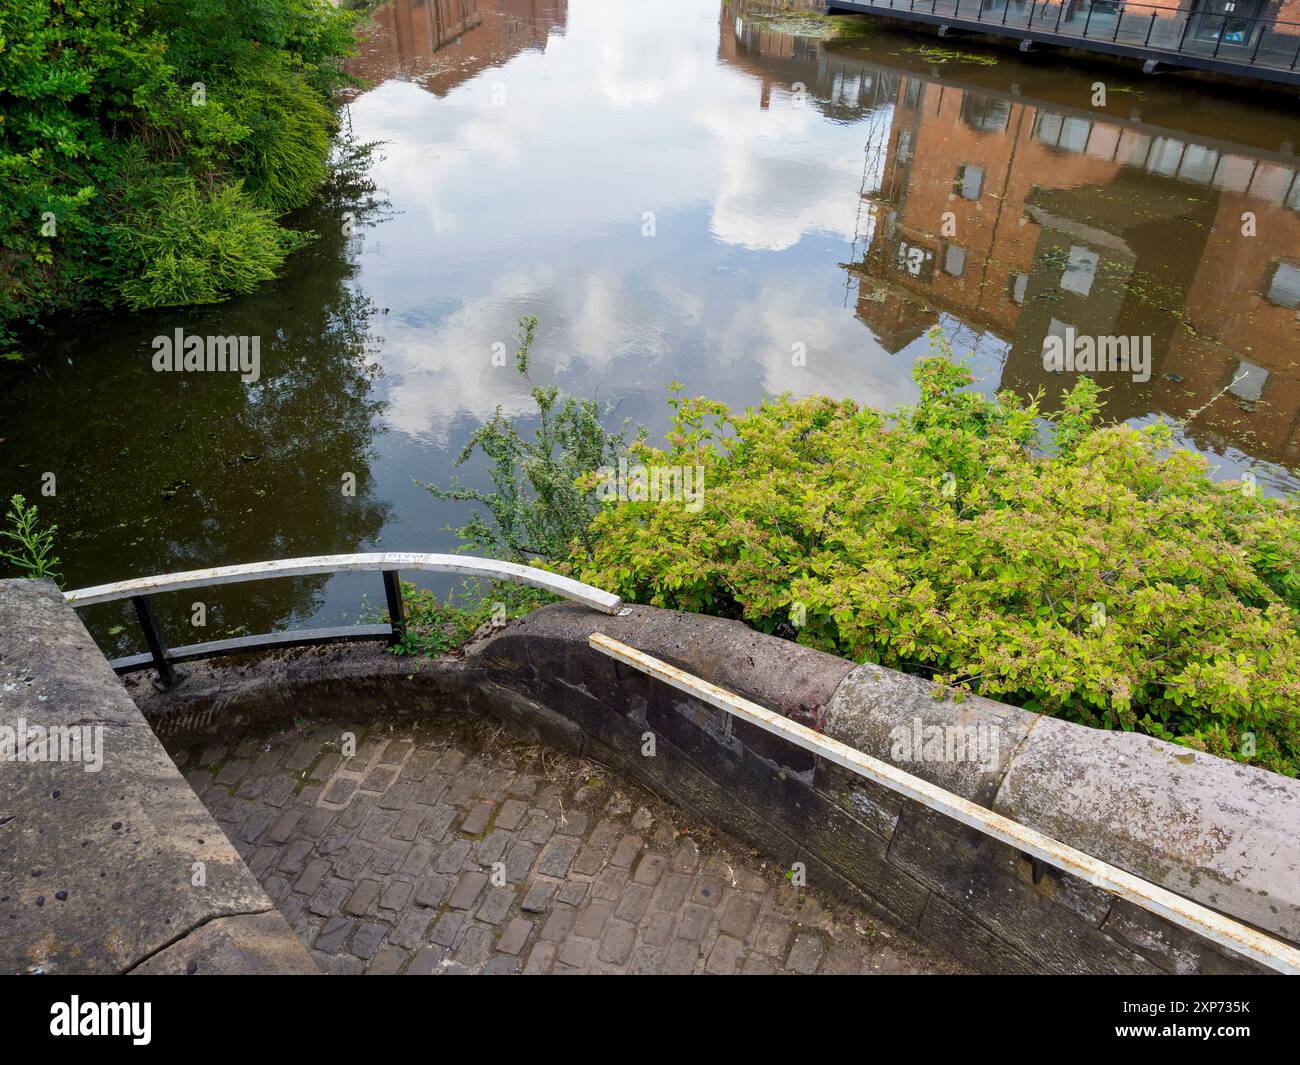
[(441, 43), (1021, 216)]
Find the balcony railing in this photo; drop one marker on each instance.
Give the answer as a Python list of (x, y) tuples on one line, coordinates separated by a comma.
[(1151, 31)]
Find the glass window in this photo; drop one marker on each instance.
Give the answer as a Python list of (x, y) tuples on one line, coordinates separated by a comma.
[(916, 260), (1068, 134), (1017, 284), (1284, 285), (1074, 134), (987, 114), (1080, 271), (1198, 164), (1166, 156), (1056, 328), (1248, 381), (1047, 127), (969, 181)]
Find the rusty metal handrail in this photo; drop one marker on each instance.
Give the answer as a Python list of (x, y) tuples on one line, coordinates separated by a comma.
[(1181, 911)]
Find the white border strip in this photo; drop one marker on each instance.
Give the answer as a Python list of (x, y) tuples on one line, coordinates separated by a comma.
[(1191, 915), (360, 563)]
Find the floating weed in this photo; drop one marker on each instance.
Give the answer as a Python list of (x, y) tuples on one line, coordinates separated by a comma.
[(812, 24), (943, 55)]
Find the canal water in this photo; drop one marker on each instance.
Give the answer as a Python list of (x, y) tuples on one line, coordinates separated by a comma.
[(685, 190)]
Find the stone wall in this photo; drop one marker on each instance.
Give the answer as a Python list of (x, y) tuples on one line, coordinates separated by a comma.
[(97, 868), (1223, 834)]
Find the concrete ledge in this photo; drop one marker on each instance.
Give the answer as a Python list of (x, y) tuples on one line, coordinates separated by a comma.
[(1222, 833), (97, 869), (249, 945), (795, 680), (894, 717)]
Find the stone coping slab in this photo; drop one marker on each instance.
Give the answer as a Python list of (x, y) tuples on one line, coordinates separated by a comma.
[(120, 868)]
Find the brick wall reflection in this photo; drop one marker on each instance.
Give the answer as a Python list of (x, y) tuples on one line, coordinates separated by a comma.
[(1020, 216), (442, 43)]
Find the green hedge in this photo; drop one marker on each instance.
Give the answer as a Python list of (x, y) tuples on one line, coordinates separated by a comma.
[(159, 193), (1086, 570)]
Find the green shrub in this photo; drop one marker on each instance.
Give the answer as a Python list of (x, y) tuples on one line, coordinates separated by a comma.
[(1085, 570), (536, 507), (434, 627), (99, 126), (285, 153), (33, 552), (182, 245), (1110, 581)]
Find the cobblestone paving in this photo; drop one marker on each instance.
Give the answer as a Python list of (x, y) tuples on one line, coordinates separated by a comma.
[(455, 848)]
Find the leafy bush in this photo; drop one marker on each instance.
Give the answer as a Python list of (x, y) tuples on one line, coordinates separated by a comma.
[(33, 554), (1111, 581), (536, 508), (1081, 569), (186, 245), (285, 153), (102, 131), (433, 627)]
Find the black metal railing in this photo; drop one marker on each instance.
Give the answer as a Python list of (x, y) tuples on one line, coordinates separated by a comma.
[(1157, 31), (390, 563)]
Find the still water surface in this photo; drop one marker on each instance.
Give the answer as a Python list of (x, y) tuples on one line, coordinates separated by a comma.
[(797, 188)]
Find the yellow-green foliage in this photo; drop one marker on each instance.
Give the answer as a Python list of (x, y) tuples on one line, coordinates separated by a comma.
[(1107, 579)]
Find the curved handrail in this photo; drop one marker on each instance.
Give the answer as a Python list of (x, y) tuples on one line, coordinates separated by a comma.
[(375, 561)]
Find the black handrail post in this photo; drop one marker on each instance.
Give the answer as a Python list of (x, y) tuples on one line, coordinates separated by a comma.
[(1147, 42), (1297, 57), (396, 615), (167, 677), (1219, 43), (1087, 20), (1060, 10), (1258, 40), (1187, 25)]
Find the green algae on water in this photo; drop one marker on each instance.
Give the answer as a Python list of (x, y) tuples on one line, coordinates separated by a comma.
[(936, 54)]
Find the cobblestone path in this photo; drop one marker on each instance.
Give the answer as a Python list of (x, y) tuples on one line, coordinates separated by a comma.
[(455, 848)]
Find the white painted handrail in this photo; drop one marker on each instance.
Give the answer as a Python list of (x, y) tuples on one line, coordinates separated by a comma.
[(1191, 915), (377, 561)]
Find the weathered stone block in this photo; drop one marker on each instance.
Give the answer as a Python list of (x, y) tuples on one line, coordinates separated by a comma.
[(110, 853), (1224, 834), (963, 747)]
